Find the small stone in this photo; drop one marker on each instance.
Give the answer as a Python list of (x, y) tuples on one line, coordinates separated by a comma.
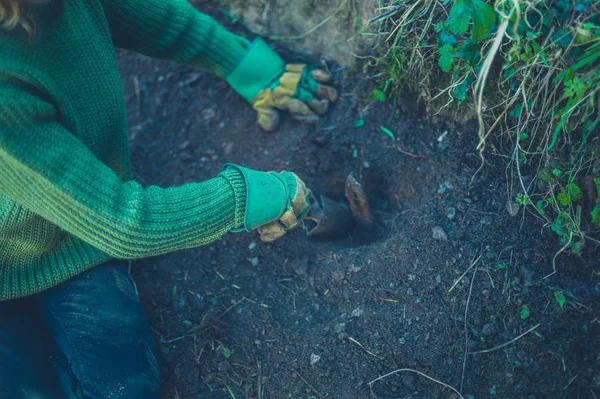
[(337, 275), (512, 207), (354, 269), (510, 379), (451, 213), (357, 312), (366, 164), (411, 277), (410, 291), (402, 341), (252, 245), (439, 234), (254, 261), (438, 279), (314, 359), (446, 186), (339, 328), (229, 148), (208, 114)]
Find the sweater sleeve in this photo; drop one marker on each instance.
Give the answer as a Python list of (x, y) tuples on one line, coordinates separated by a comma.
[(48, 170), (174, 30)]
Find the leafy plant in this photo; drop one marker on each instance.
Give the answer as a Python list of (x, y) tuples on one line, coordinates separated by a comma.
[(560, 298), (522, 199), (524, 313)]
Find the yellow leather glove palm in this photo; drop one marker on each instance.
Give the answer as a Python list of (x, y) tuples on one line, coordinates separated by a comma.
[(300, 92), (292, 217)]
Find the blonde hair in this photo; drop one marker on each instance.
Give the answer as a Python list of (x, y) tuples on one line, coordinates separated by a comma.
[(12, 16)]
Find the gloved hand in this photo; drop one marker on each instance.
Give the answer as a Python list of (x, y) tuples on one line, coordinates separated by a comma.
[(265, 81), (275, 202)]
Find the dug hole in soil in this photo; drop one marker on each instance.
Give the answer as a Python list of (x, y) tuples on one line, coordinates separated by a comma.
[(300, 318)]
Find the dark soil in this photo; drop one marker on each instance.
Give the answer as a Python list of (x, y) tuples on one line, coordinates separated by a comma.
[(301, 318)]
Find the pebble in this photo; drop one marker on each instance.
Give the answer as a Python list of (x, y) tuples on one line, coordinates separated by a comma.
[(354, 269), (254, 261), (252, 245), (314, 359), (439, 234), (451, 212), (340, 327), (402, 341), (445, 186), (357, 312)]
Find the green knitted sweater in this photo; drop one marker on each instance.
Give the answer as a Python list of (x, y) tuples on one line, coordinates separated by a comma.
[(67, 201)]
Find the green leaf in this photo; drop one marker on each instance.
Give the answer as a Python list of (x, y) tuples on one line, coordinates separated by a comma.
[(379, 95), (461, 91), (540, 205), (388, 132), (500, 266), (460, 16), (574, 192), (359, 123), (469, 51), (226, 352), (446, 57), (463, 11), (597, 181), (524, 312), (560, 298), (556, 172), (445, 62), (484, 20), (564, 199), (596, 216), (523, 136)]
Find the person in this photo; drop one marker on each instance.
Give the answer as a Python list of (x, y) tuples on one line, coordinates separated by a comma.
[(71, 324)]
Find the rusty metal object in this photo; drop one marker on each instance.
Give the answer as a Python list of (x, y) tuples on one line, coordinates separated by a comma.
[(359, 205), (332, 219)]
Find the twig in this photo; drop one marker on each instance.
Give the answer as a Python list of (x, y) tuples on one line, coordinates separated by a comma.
[(233, 306), (463, 275), (506, 343), (571, 381), (462, 377), (414, 371), (259, 380), (168, 341), (365, 349), (306, 382)]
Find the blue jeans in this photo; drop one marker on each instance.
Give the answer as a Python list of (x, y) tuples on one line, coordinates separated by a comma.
[(86, 338)]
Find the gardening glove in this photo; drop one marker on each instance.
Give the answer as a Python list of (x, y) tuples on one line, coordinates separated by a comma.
[(275, 202), (265, 81)]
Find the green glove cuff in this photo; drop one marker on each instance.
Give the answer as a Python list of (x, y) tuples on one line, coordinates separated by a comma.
[(259, 68), (267, 195)]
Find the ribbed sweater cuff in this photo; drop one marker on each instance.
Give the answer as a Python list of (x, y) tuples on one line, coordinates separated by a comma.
[(238, 184)]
